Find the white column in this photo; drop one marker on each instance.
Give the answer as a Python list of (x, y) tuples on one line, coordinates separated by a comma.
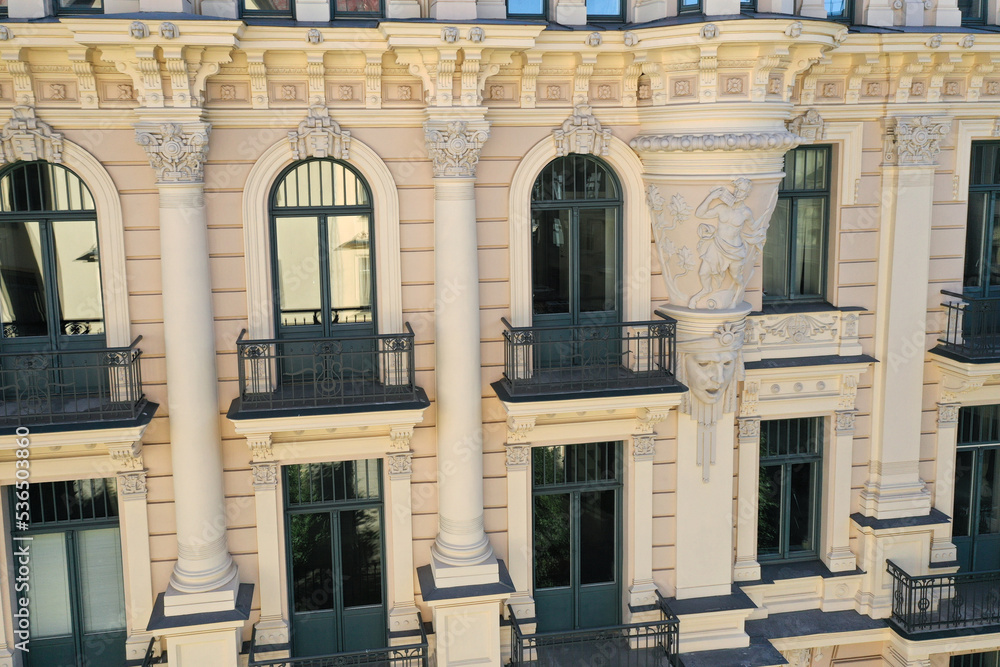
[(894, 488), (404, 617), (748, 490), (835, 542), (519, 528), (943, 550), (205, 577), (642, 590), (461, 554)]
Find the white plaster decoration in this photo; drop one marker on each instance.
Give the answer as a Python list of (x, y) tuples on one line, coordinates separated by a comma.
[(261, 447), (967, 41), (952, 387), (518, 455), (933, 42), (519, 427), (581, 133), (454, 146), (176, 151), (647, 419), (996, 128), (914, 140), (750, 395), (630, 39), (132, 485), (794, 29), (477, 35), (169, 30), (319, 136), (797, 328), (749, 427), (27, 137), (399, 437), (778, 140), (265, 475), (138, 30), (643, 447), (709, 31), (594, 39), (314, 36), (400, 464), (809, 126), (845, 421), (126, 456), (256, 229), (449, 35), (6, 33), (948, 415)]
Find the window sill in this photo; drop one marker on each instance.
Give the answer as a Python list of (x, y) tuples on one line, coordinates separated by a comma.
[(771, 572)]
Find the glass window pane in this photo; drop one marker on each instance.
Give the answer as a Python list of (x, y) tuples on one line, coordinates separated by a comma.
[(775, 260), (282, 6), (974, 235), (964, 508), (994, 240), (350, 269), (550, 250), (597, 537), (598, 260), (810, 246), (78, 277), (604, 8), (312, 561), (357, 6), (525, 7), (769, 511), (298, 271), (989, 498), (552, 540), (102, 591), (49, 584), (801, 507), (80, 5), (361, 556), (836, 8), (22, 281)]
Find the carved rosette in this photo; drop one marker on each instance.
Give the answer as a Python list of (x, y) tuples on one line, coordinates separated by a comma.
[(454, 146), (26, 137), (132, 485), (265, 476), (582, 133), (914, 140), (320, 136), (518, 456), (177, 151)]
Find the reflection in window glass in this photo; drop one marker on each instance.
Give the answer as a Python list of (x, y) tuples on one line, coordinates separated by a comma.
[(612, 8), (22, 280), (526, 8), (361, 7), (78, 277), (79, 6), (838, 9), (267, 6)]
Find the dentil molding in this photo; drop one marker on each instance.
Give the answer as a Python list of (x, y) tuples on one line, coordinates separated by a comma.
[(775, 140)]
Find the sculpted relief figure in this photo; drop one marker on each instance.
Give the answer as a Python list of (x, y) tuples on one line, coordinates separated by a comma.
[(729, 247)]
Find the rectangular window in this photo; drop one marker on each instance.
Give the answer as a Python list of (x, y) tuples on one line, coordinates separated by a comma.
[(840, 10), (607, 10), (794, 261), (791, 451), (79, 6), (688, 6), (530, 9), (991, 659), (976, 512), (973, 11), (748, 5), (267, 8), (982, 242), (357, 9)]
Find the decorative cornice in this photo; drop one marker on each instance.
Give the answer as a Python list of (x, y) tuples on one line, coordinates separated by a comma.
[(132, 485), (176, 151), (26, 137), (582, 133), (454, 146), (914, 140), (320, 136), (777, 140)]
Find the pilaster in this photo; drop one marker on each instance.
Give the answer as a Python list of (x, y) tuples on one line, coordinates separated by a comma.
[(943, 550), (748, 489), (519, 545), (404, 617), (835, 540), (642, 590)]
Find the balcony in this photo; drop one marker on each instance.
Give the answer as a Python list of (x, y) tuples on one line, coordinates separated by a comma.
[(64, 388), (649, 644), (326, 375), (972, 333), (619, 358), (411, 655), (935, 603)]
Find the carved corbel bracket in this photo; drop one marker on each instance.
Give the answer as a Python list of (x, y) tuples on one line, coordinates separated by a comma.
[(261, 447), (400, 437), (646, 420), (518, 427), (126, 456)]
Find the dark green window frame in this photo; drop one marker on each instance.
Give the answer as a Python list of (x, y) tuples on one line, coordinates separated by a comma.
[(976, 507), (973, 11), (541, 14), (807, 180), (791, 462), (988, 659), (982, 250), (356, 14), (252, 12), (93, 7), (70, 508), (689, 7), (845, 13), (748, 5)]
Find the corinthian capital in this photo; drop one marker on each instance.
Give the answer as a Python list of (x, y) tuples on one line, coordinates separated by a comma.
[(454, 145), (177, 151), (914, 140)]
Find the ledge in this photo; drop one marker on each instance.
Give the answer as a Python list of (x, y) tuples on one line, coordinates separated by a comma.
[(236, 414), (935, 517), (159, 621), (780, 308), (825, 360), (503, 395), (143, 418), (811, 622), (758, 654), (732, 602), (772, 572), (431, 593), (943, 351)]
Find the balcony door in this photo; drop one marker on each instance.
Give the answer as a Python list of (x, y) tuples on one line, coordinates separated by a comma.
[(982, 240), (77, 602), (335, 543), (576, 256), (577, 535), (976, 521)]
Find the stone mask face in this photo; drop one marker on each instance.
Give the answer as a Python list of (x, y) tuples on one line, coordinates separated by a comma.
[(709, 374)]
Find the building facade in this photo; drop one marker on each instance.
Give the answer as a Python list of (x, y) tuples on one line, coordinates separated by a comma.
[(475, 333)]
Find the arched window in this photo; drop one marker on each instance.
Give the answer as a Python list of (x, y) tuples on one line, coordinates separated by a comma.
[(322, 249), (576, 243), (50, 271)]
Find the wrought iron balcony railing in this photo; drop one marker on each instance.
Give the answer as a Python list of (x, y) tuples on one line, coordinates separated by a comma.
[(649, 644), (973, 328), (619, 356), (326, 372), (932, 603), (410, 655), (71, 387)]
